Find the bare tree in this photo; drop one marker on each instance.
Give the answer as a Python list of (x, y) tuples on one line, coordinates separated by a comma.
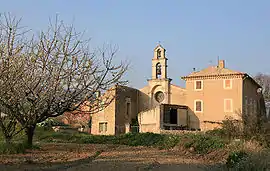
[(12, 43), (83, 113), (56, 73), (264, 81)]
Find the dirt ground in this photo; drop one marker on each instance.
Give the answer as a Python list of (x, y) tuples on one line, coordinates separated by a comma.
[(97, 157)]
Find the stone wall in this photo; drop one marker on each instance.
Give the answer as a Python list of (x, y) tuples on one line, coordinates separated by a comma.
[(178, 132), (149, 120)]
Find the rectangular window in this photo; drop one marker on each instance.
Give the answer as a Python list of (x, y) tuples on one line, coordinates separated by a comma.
[(228, 105), (128, 109), (198, 106), (102, 127), (128, 106), (198, 85), (227, 84)]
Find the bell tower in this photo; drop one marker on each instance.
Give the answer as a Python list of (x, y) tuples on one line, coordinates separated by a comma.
[(159, 63), (159, 84)]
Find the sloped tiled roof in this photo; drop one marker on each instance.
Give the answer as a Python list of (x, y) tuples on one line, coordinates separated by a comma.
[(213, 71)]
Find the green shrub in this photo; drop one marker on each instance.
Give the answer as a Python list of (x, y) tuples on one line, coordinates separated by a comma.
[(141, 139), (93, 139), (148, 139), (15, 148), (169, 141), (216, 132), (235, 157), (203, 143), (130, 139), (12, 148)]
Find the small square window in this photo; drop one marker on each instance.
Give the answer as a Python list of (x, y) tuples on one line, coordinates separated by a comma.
[(102, 127), (227, 84), (198, 85), (198, 106), (228, 105)]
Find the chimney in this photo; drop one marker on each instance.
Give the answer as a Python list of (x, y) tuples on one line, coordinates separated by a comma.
[(221, 64)]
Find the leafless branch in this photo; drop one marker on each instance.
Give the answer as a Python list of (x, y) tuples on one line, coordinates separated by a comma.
[(52, 73)]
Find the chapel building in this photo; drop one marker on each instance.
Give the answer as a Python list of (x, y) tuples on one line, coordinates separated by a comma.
[(210, 96)]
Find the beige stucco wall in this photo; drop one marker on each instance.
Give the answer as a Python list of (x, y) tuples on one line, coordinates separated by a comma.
[(144, 99), (177, 95), (106, 115), (211, 126), (173, 94), (213, 95), (149, 121)]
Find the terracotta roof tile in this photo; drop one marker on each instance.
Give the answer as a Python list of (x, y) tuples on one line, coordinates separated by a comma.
[(212, 71)]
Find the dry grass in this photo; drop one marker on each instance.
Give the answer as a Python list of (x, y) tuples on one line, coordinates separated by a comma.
[(68, 156), (250, 146), (53, 153), (76, 157)]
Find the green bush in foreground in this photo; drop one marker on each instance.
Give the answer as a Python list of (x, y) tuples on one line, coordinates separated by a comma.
[(219, 132), (203, 144), (150, 139), (14, 148), (131, 139), (235, 157)]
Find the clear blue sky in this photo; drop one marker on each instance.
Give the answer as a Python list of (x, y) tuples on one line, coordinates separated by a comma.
[(194, 32)]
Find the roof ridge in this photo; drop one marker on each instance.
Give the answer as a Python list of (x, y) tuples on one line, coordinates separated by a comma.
[(214, 70)]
